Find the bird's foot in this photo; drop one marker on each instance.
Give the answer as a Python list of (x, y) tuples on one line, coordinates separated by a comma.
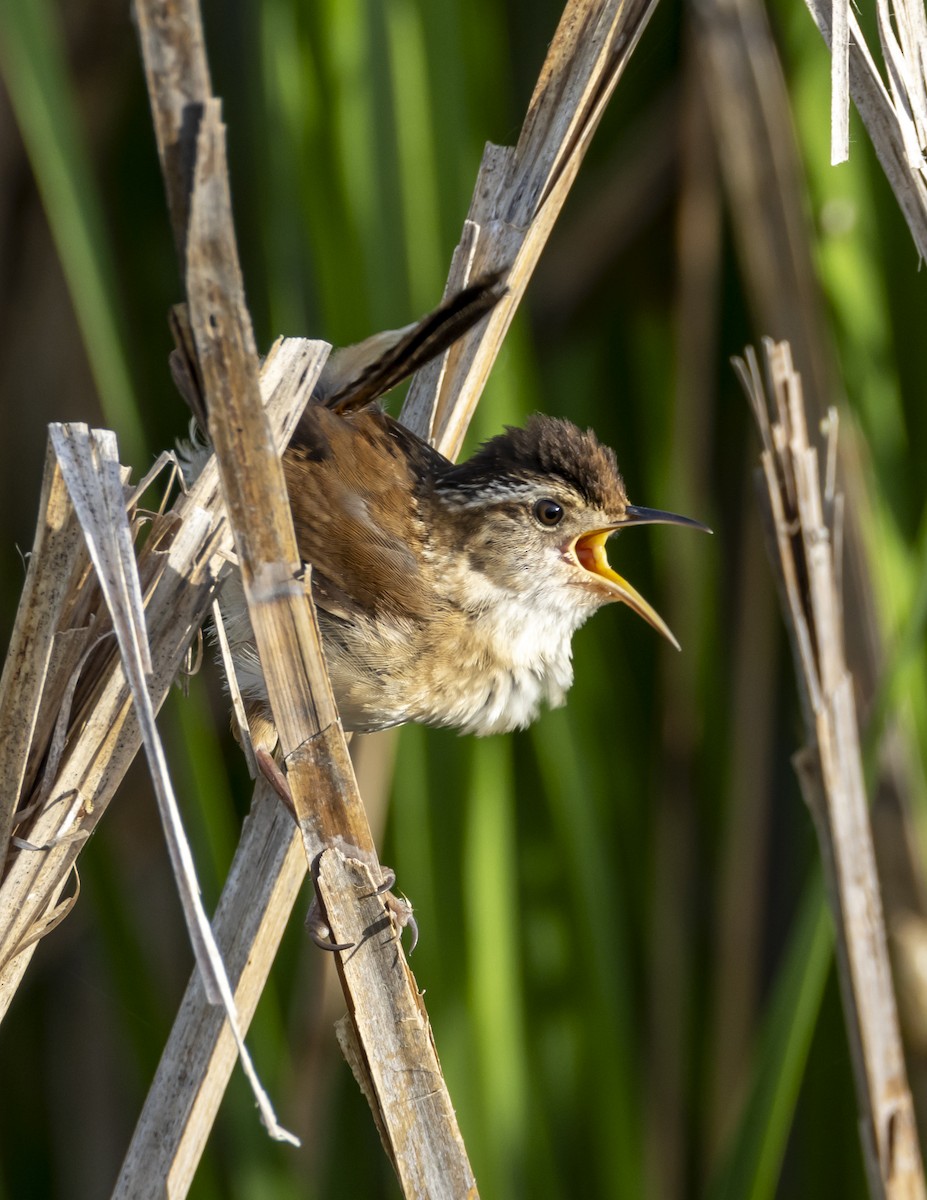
[(398, 907), (320, 932)]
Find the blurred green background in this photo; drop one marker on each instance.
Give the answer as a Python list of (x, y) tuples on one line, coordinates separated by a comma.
[(625, 951)]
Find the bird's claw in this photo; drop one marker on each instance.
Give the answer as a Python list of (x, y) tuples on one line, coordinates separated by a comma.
[(318, 929), (389, 881), (398, 907)]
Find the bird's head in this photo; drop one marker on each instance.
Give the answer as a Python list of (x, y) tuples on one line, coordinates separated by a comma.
[(533, 510)]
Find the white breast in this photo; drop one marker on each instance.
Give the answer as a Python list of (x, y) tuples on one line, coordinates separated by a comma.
[(521, 661), (488, 668)]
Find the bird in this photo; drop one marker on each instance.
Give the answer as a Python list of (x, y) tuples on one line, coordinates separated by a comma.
[(447, 593)]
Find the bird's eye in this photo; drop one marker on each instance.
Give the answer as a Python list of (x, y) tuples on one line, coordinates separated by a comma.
[(548, 512)]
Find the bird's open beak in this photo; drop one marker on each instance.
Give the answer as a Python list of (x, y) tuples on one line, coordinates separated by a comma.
[(589, 550)]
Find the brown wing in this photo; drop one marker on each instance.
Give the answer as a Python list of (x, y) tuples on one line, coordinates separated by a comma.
[(352, 483), (355, 475)]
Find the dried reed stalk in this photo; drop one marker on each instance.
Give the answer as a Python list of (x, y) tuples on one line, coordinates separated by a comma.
[(588, 70), (325, 796), (763, 177), (803, 525), (578, 76), (74, 695), (896, 122), (518, 196)]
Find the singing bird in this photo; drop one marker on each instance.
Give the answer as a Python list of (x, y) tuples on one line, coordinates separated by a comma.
[(447, 593)]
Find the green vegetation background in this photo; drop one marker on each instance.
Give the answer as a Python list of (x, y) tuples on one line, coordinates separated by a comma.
[(624, 950)]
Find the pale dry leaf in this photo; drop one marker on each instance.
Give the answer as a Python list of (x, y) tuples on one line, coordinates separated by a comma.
[(90, 466)]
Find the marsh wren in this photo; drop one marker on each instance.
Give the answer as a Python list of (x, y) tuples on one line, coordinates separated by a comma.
[(446, 593)]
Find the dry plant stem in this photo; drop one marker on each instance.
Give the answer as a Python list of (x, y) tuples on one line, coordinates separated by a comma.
[(839, 82), (104, 739), (180, 562), (830, 768), (762, 172), (885, 126), (319, 773), (249, 937), (252, 475), (177, 76), (518, 195), (56, 549), (571, 113), (412, 1103), (324, 793), (405, 1034), (590, 49), (90, 465)]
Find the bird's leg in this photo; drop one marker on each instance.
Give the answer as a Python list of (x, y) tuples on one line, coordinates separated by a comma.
[(263, 737), (264, 742), (270, 769)]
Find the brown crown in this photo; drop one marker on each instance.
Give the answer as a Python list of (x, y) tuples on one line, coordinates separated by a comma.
[(547, 446)]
